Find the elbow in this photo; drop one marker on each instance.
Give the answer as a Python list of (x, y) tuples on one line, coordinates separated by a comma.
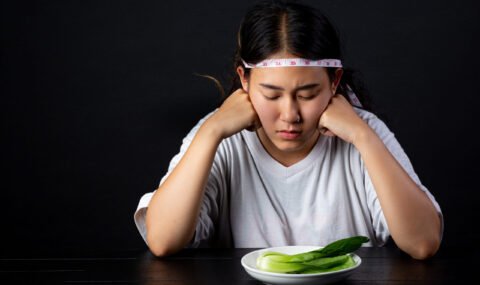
[(425, 249), (161, 251), (160, 248)]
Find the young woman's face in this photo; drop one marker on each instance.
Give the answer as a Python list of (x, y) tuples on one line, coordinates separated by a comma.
[(289, 102)]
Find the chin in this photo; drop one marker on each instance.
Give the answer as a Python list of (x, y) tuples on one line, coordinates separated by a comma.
[(289, 146)]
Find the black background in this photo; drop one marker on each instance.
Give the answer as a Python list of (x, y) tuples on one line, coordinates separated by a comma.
[(96, 97)]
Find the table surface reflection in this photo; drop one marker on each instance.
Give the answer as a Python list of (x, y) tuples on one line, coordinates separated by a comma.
[(386, 265)]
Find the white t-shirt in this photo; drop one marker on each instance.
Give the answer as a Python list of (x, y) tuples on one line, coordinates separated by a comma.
[(253, 201)]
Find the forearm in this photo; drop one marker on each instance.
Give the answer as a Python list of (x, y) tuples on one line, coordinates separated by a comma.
[(173, 211), (411, 217)]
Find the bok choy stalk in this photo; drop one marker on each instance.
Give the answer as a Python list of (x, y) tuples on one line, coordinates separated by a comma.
[(334, 256)]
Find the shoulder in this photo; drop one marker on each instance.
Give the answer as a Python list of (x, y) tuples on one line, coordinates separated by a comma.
[(193, 131), (374, 122), (367, 116), (203, 119)]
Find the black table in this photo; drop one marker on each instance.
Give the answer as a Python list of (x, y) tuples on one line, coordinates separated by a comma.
[(386, 265)]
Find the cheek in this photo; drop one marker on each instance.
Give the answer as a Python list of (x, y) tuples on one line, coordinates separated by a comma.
[(266, 111), (311, 112)]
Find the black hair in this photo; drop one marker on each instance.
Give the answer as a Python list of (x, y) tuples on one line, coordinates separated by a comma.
[(269, 27)]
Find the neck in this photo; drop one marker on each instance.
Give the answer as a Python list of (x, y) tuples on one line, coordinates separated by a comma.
[(287, 158)]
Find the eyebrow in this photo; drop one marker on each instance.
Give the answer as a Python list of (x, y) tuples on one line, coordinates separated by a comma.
[(303, 87)]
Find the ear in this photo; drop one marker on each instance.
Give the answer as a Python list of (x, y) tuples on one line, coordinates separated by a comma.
[(336, 81), (243, 80)]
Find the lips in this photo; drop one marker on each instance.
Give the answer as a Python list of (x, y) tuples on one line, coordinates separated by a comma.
[(289, 134)]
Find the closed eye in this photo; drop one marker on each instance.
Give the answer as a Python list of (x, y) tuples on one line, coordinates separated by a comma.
[(304, 97), (307, 97), (272, 97)]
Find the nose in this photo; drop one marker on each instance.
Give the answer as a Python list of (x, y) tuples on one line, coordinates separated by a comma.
[(290, 112)]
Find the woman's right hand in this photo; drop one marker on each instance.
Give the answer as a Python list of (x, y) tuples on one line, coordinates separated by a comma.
[(173, 211), (234, 115)]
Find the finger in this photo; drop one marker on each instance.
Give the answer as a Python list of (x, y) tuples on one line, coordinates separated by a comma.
[(326, 132), (255, 125), (258, 124), (329, 133), (252, 127)]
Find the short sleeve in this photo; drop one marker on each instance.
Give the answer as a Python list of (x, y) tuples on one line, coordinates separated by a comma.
[(392, 144), (209, 209)]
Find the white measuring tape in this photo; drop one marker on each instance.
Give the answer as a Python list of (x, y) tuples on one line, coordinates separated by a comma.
[(353, 97), (283, 62)]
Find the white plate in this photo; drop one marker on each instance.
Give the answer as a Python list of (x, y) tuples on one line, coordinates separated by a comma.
[(249, 263)]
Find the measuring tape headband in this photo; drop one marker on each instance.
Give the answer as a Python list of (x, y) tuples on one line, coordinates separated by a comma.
[(282, 62)]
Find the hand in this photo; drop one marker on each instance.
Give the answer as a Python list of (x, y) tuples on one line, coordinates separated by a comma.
[(235, 114), (340, 119)]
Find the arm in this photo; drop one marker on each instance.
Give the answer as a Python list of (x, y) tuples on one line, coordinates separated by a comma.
[(174, 208), (411, 217)]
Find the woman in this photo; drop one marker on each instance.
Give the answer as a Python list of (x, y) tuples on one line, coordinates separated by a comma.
[(287, 159)]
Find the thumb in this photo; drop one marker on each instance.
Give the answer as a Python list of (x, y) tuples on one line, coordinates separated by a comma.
[(326, 132), (255, 125)]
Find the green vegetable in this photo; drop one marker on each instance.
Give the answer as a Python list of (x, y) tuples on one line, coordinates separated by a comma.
[(334, 256), (348, 263)]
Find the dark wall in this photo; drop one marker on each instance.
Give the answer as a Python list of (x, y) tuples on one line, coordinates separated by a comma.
[(97, 95)]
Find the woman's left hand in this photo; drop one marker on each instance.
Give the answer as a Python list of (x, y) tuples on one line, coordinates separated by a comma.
[(340, 119)]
